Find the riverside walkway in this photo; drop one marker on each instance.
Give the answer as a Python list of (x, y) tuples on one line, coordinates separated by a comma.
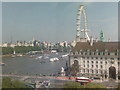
[(23, 77)]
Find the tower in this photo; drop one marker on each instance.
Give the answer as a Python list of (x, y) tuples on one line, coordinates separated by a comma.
[(33, 39), (101, 36), (82, 30)]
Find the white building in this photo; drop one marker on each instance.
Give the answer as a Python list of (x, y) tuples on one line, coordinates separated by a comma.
[(99, 60), (4, 45), (73, 43)]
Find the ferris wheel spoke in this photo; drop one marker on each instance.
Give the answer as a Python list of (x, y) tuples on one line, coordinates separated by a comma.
[(80, 30)]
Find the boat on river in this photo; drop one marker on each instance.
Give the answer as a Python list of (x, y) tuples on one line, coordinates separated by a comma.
[(64, 55), (32, 56), (20, 55), (54, 59), (13, 55), (53, 51), (46, 57), (39, 57)]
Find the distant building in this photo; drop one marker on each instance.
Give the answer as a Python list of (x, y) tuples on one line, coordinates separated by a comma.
[(12, 45), (73, 43), (65, 44), (61, 44), (4, 44)]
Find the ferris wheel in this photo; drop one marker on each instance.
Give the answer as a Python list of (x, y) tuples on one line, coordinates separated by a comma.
[(82, 30)]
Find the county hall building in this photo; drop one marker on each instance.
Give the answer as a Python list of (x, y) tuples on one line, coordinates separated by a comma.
[(96, 60)]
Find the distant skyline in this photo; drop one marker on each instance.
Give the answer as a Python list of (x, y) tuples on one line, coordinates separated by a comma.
[(56, 21)]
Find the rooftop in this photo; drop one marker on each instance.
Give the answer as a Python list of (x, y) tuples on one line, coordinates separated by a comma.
[(100, 46)]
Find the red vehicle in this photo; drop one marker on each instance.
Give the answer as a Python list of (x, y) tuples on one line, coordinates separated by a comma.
[(83, 80)]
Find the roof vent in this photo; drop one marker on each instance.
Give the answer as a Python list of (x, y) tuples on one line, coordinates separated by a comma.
[(91, 41)]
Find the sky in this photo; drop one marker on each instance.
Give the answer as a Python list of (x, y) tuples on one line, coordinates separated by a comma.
[(56, 21), (0, 22)]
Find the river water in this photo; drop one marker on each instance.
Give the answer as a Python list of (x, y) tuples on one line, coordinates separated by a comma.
[(25, 65)]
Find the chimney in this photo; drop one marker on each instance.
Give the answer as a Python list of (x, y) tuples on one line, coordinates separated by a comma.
[(96, 40), (91, 41)]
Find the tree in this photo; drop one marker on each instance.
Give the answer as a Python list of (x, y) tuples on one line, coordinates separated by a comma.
[(75, 68), (7, 50)]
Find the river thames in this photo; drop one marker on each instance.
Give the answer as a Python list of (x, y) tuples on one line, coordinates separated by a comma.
[(26, 65)]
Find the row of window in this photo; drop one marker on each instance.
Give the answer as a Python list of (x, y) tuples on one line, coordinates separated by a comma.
[(98, 50), (96, 62), (95, 53), (101, 66), (98, 58), (93, 71)]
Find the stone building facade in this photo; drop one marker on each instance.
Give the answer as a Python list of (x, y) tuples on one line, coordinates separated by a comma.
[(97, 60)]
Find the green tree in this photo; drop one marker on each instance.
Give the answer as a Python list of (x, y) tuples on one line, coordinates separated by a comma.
[(75, 68), (20, 49), (7, 50), (24, 49)]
